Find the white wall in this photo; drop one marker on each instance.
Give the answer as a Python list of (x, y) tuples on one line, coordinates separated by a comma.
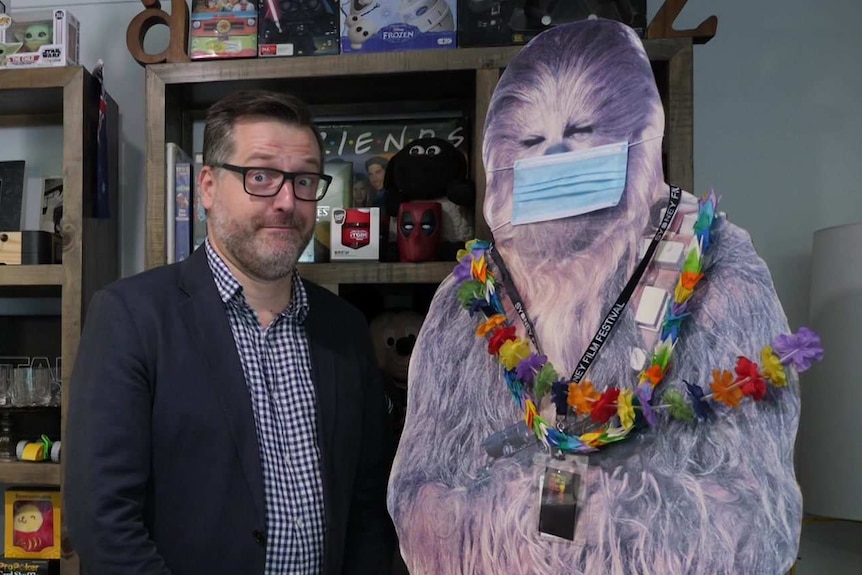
[(777, 125)]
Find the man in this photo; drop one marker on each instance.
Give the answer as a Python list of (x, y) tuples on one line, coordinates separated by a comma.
[(375, 166), (226, 416)]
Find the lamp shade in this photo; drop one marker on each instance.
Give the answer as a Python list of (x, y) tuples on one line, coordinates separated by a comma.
[(829, 447)]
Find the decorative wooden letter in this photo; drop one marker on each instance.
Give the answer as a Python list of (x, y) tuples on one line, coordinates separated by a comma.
[(662, 25), (178, 23)]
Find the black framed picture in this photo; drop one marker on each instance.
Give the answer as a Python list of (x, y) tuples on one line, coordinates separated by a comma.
[(11, 195)]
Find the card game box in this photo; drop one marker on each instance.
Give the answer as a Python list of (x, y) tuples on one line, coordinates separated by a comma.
[(299, 28), (39, 38), (28, 567), (223, 29), (515, 22), (396, 25)]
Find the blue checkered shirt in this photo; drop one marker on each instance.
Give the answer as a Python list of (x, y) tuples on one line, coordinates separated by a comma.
[(277, 368)]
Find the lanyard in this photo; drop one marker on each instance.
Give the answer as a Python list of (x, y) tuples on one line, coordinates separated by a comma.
[(607, 325)]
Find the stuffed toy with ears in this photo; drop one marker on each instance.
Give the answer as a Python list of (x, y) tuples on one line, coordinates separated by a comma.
[(433, 170), (394, 334)]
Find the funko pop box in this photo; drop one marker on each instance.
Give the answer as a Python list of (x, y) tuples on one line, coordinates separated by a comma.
[(40, 38), (294, 28), (355, 234), (396, 25), (516, 22)]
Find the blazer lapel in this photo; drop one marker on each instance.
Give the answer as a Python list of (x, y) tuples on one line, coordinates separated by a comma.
[(212, 339), (323, 374)]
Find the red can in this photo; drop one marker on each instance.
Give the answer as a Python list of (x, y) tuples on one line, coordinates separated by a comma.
[(356, 229)]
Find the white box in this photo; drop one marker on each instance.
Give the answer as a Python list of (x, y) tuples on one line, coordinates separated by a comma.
[(651, 309), (355, 234), (40, 38)]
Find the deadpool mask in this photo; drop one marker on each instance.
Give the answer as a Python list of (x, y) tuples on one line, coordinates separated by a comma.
[(419, 225)]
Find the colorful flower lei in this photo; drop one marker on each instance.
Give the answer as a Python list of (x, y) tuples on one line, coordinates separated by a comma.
[(530, 376)]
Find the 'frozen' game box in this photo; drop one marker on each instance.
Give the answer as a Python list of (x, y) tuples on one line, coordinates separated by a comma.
[(396, 25)]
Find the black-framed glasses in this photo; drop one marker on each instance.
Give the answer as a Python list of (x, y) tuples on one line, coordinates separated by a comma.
[(266, 182)]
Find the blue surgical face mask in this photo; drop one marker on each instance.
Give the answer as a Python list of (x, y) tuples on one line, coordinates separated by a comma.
[(569, 184)]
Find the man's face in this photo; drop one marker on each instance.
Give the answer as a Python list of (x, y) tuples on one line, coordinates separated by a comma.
[(361, 193), (376, 172), (263, 237)]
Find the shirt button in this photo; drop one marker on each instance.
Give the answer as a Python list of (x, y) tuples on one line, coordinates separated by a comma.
[(259, 537), (298, 521)]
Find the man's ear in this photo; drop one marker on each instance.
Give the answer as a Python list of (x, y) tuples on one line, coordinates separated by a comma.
[(207, 180)]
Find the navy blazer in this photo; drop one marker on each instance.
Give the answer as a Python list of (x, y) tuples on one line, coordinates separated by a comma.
[(162, 470)]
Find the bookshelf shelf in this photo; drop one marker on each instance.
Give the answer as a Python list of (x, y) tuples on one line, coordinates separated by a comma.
[(37, 275), (376, 273), (29, 474), (68, 98), (461, 79)]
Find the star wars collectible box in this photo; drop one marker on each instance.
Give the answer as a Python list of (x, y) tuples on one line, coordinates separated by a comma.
[(396, 25), (515, 22), (223, 29), (299, 28), (39, 38)]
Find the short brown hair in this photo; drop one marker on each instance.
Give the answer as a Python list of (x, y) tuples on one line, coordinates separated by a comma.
[(221, 117)]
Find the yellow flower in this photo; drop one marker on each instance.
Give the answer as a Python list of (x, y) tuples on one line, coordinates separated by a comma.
[(591, 438), (771, 367), (490, 325), (681, 293), (513, 351), (625, 410), (582, 396)]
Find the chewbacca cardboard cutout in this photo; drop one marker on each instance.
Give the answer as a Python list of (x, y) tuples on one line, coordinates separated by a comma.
[(682, 496)]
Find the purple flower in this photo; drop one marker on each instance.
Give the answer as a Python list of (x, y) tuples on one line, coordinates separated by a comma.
[(701, 408), (463, 271), (679, 310), (644, 395), (800, 348), (527, 369)]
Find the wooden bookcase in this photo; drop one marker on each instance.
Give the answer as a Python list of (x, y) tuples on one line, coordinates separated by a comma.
[(177, 95), (67, 97)]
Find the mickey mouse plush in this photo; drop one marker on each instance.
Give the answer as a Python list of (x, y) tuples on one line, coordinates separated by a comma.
[(432, 169)]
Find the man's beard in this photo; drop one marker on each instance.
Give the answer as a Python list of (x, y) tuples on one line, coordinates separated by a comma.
[(266, 258)]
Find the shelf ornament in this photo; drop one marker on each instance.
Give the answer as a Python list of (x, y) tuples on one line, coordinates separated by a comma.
[(662, 24), (178, 23)]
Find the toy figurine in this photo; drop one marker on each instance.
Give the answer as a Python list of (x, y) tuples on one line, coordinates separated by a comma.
[(8, 49), (36, 36)]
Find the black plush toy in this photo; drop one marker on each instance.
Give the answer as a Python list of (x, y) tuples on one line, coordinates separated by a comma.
[(432, 169)]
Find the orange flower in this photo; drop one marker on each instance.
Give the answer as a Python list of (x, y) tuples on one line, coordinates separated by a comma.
[(582, 396), (723, 389), (654, 374), (490, 324), (689, 280), (480, 269), (529, 413)]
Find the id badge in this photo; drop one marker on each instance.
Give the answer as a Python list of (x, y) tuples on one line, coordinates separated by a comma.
[(561, 491)]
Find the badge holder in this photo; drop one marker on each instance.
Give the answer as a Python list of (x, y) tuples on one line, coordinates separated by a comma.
[(561, 486)]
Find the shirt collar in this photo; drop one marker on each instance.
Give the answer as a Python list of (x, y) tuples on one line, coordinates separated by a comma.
[(229, 287)]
